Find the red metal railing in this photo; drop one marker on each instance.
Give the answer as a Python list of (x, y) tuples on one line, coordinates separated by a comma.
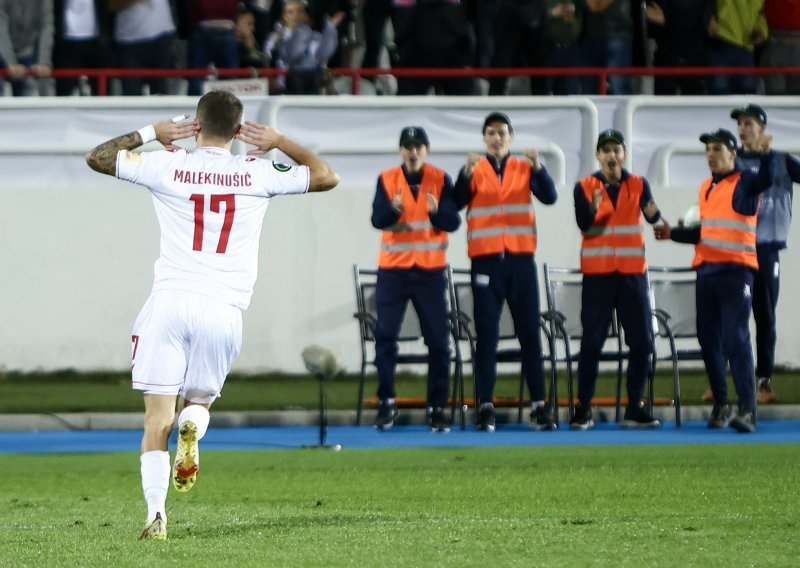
[(602, 73)]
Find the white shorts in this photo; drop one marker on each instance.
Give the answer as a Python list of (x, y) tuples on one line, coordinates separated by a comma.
[(184, 344)]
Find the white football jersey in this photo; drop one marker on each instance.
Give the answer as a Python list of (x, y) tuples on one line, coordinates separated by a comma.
[(210, 206)]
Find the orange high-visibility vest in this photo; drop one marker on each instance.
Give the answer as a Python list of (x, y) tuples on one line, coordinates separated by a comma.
[(725, 235), (414, 240), (500, 216), (615, 243)]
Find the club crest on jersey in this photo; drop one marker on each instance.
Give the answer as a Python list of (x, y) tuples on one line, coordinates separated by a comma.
[(281, 167)]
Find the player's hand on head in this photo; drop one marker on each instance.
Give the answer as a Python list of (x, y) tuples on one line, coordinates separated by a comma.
[(265, 138), (176, 128)]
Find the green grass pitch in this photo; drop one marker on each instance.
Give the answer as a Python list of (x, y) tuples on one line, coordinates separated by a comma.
[(711, 505)]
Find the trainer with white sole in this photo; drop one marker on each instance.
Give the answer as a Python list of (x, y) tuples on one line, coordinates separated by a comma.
[(210, 206)]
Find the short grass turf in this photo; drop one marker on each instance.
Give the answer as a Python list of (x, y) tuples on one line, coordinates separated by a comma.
[(725, 505)]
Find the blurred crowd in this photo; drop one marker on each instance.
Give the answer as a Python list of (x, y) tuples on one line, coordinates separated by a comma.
[(309, 38)]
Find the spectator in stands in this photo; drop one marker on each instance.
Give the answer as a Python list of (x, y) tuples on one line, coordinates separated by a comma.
[(563, 27), (249, 53), (679, 29), (302, 51), (414, 209), (82, 40), (609, 206), (607, 42), (212, 37), (340, 12), (498, 191), (725, 260), (432, 34), (772, 232), (518, 40), (783, 47), (736, 29), (266, 13), (374, 13), (144, 34), (481, 17), (26, 43)]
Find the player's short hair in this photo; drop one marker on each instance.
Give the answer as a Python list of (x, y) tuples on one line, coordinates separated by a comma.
[(220, 114)]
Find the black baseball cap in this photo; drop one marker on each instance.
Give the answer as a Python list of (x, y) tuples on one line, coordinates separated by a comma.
[(720, 135), (497, 117), (750, 110), (610, 135), (414, 135)]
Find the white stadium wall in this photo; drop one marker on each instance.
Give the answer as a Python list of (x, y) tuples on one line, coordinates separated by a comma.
[(77, 248)]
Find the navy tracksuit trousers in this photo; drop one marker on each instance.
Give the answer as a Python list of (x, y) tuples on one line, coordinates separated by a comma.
[(426, 289), (724, 298), (600, 294), (506, 278), (765, 300)]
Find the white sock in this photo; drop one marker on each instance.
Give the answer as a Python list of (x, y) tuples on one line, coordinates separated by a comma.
[(536, 404), (155, 482), (197, 414)]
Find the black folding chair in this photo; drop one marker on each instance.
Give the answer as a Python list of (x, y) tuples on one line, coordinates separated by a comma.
[(673, 291), (508, 347), (563, 317), (413, 350)]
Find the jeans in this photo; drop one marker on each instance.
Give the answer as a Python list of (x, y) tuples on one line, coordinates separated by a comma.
[(609, 52), (207, 46), (727, 55)]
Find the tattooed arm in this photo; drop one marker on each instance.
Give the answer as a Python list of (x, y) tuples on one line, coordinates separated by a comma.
[(103, 158)]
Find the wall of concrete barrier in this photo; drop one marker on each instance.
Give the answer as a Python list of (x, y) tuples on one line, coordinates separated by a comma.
[(77, 248)]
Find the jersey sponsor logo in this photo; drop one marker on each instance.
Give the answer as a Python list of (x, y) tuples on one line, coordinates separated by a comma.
[(212, 178), (281, 167), (132, 156)]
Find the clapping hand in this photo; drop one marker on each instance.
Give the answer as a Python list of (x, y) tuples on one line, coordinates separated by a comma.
[(472, 161), (533, 157), (662, 230), (433, 204)]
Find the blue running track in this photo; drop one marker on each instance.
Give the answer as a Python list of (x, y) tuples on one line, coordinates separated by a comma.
[(352, 437)]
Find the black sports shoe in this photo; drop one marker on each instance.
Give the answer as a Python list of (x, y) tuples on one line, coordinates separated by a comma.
[(437, 420), (638, 417), (721, 415), (387, 412), (743, 422), (542, 418), (582, 419), (486, 417)]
